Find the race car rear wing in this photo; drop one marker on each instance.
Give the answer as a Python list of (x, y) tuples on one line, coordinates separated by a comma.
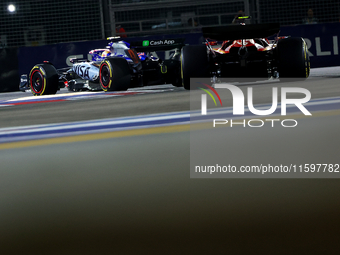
[(237, 32), (158, 45)]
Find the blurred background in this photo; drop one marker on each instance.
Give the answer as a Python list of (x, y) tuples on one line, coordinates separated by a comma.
[(40, 22)]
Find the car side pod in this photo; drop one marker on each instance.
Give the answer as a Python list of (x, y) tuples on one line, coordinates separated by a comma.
[(43, 80)]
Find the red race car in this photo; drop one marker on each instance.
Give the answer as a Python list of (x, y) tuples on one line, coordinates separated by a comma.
[(245, 51)]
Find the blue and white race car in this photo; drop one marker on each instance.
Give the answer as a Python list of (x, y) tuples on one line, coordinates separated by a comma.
[(118, 67)]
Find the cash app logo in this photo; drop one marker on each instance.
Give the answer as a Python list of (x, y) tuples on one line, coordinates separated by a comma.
[(146, 43)]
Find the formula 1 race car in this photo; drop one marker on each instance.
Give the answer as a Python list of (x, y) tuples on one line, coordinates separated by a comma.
[(245, 52), (118, 67)]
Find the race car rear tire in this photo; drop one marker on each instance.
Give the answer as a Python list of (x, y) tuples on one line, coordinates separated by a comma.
[(114, 74), (194, 64), (44, 80), (176, 79), (293, 58), (177, 82)]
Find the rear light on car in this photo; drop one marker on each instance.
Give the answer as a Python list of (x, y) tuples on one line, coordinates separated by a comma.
[(213, 43)]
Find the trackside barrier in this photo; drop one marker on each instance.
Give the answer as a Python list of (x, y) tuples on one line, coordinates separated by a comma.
[(322, 40), (9, 73)]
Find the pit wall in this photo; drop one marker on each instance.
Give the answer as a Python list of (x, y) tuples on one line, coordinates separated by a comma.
[(322, 40)]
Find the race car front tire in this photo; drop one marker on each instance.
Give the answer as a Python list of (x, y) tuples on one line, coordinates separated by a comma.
[(293, 58), (114, 74), (194, 63), (44, 80)]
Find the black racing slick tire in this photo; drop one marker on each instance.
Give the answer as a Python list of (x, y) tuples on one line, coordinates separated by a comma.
[(44, 80), (293, 58), (194, 64), (114, 74), (176, 79)]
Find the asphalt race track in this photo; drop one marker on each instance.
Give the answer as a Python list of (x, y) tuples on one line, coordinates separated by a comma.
[(167, 99), (127, 190)]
